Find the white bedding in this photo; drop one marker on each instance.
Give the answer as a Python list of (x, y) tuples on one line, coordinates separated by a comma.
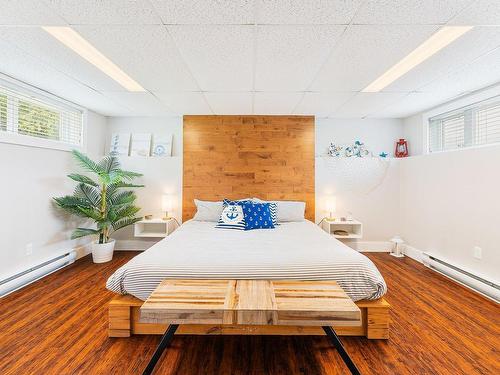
[(295, 250)]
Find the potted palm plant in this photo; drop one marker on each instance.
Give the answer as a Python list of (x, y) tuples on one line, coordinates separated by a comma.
[(102, 200)]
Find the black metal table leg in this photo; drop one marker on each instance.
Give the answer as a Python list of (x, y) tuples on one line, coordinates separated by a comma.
[(165, 340), (340, 348)]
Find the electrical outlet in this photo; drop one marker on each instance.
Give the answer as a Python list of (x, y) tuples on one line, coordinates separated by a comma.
[(29, 249), (478, 252)]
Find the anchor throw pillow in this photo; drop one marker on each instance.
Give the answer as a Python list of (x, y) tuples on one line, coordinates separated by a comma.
[(257, 215), (232, 216)]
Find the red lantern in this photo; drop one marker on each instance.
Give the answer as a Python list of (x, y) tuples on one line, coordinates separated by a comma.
[(401, 149)]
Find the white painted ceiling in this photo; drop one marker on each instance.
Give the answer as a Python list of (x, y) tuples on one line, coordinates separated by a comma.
[(252, 56)]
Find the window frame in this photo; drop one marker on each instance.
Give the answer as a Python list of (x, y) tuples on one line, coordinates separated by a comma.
[(468, 105), (49, 99)]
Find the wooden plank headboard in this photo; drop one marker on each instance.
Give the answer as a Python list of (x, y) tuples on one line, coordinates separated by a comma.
[(270, 157)]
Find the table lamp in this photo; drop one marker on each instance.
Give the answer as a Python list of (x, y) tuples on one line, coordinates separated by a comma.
[(166, 205), (331, 207)]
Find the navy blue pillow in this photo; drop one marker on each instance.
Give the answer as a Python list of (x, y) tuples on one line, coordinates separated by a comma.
[(257, 215)]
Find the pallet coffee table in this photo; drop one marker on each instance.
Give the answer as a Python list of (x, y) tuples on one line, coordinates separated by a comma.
[(250, 302)]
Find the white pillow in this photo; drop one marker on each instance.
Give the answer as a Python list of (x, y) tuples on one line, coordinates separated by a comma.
[(288, 210), (207, 211)]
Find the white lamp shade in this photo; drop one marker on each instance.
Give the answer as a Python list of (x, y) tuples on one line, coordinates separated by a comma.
[(331, 204), (166, 203)]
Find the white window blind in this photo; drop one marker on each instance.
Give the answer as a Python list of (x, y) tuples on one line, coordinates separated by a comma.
[(27, 115), (474, 125)]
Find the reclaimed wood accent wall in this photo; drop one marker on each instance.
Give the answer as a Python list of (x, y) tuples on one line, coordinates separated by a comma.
[(234, 157)]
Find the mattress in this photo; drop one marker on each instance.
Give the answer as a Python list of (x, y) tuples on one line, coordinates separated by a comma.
[(295, 250)]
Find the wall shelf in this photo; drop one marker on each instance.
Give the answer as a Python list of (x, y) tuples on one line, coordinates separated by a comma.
[(354, 228), (154, 228)]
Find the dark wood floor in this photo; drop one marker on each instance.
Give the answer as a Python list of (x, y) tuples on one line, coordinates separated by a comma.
[(58, 326)]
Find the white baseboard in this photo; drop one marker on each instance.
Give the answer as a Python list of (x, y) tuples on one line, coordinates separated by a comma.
[(370, 246), (83, 250), (133, 245), (413, 253)]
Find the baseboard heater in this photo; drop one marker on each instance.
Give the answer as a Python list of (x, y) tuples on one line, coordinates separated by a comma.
[(21, 279), (483, 286)]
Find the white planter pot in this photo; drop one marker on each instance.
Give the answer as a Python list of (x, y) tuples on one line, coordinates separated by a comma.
[(102, 252)]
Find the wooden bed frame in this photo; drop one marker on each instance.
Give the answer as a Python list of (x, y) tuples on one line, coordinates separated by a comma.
[(124, 322), (270, 157)]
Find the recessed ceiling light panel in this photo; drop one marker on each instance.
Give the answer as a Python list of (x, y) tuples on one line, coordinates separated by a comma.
[(435, 43), (71, 39)]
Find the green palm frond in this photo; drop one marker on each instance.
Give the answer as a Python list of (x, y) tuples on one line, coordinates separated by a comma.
[(122, 197), (126, 211), (109, 163), (120, 184), (124, 222), (90, 213), (86, 163), (71, 201), (90, 193), (127, 175), (82, 232), (83, 179), (74, 205)]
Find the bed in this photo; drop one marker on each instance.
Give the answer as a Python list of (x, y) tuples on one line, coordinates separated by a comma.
[(234, 157), (293, 250)]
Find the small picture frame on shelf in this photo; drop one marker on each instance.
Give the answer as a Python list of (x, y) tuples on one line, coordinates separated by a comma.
[(162, 145), (141, 144), (120, 144)]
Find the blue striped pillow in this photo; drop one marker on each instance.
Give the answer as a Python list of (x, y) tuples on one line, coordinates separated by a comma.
[(232, 216), (273, 208)]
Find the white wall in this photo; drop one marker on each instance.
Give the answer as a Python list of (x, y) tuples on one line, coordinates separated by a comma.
[(31, 176), (165, 174), (413, 132), (377, 134), (371, 199), (450, 200), (161, 175)]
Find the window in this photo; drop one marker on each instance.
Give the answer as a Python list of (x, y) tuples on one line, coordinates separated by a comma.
[(3, 112), (474, 125), (29, 118)]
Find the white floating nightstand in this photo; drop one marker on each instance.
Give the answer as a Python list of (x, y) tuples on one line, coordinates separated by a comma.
[(354, 228), (154, 228)]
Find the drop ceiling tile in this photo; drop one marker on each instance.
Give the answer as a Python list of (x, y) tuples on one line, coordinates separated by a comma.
[(365, 52), (185, 103), (408, 12), (230, 103), (322, 104), (480, 12), (460, 53), (220, 57), (365, 104), (138, 103), (481, 73), (205, 12), (302, 12), (108, 12), (288, 57), (39, 44), (275, 103), (413, 103), (19, 65), (27, 12), (147, 53)]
